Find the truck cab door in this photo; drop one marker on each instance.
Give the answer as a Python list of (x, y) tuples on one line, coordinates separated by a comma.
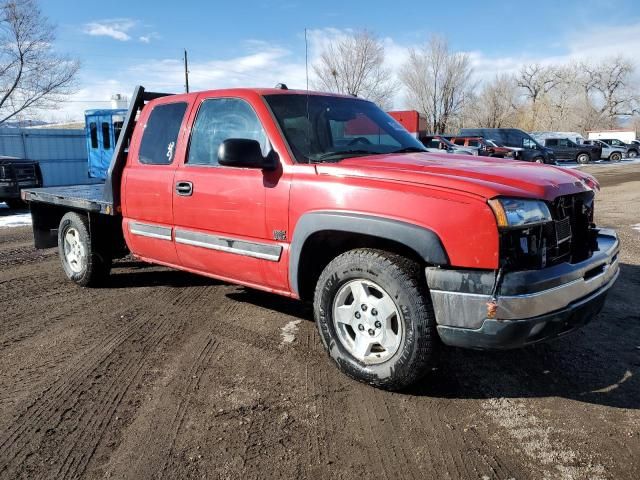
[(220, 211), (147, 191), (565, 150)]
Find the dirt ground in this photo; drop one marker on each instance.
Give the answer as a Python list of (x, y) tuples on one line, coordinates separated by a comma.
[(167, 375)]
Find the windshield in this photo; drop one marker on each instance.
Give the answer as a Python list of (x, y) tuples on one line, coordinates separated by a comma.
[(322, 128)]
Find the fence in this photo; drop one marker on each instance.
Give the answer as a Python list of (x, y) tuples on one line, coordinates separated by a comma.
[(61, 153)]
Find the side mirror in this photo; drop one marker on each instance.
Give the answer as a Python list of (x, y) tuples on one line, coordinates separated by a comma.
[(245, 153)]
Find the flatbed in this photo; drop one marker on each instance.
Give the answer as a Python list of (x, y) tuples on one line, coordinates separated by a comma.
[(82, 197)]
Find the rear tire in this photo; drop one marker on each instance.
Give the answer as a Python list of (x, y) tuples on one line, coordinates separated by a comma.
[(632, 154), (583, 158), (615, 157), (400, 338), (82, 261), (538, 160)]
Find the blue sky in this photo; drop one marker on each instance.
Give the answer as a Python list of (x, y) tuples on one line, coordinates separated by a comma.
[(260, 43)]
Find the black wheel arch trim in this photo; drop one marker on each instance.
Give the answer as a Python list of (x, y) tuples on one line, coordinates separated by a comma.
[(423, 241)]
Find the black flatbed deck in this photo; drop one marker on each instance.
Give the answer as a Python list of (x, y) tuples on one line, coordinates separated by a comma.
[(91, 198)]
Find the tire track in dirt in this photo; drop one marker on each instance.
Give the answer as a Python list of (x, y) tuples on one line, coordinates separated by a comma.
[(194, 376), (43, 409), (33, 324), (97, 421), (24, 254), (43, 413)]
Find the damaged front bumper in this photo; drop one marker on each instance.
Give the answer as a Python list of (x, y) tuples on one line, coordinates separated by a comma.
[(528, 306)]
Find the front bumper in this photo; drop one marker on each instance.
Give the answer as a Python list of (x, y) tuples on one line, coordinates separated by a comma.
[(9, 190), (528, 307)]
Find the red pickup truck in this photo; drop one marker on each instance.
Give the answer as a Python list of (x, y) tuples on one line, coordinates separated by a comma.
[(326, 198)]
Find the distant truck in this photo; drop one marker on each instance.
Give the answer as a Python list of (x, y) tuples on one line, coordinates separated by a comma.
[(531, 150), (16, 174), (326, 198), (566, 150)]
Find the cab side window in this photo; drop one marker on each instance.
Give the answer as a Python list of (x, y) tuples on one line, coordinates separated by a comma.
[(220, 119), (161, 133), (93, 132)]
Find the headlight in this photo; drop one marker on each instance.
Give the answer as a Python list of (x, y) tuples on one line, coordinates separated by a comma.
[(516, 212)]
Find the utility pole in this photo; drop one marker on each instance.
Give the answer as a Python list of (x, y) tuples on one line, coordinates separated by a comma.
[(186, 72)]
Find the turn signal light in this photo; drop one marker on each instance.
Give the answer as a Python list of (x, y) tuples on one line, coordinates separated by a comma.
[(498, 210)]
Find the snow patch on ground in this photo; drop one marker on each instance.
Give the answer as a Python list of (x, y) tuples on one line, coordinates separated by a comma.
[(15, 220), (540, 442), (636, 227), (288, 332), (601, 162)]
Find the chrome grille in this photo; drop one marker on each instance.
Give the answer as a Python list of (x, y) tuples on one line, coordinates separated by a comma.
[(563, 230)]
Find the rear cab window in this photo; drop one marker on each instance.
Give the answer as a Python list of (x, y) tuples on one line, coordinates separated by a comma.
[(161, 133)]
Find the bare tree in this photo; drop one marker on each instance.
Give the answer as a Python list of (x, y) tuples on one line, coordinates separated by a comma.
[(436, 82), (497, 104), (32, 75), (537, 82), (354, 65), (608, 86)]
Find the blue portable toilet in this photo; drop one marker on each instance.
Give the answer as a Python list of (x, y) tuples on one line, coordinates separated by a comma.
[(102, 128)]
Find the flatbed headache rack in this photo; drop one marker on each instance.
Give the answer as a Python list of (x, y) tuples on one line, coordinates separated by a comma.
[(101, 198)]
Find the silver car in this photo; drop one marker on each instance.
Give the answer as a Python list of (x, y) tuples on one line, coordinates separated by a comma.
[(439, 144), (609, 152)]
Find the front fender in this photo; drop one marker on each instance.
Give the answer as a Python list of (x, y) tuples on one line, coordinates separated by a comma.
[(422, 240)]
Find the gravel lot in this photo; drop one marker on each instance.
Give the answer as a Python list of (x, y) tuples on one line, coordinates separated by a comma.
[(167, 375)]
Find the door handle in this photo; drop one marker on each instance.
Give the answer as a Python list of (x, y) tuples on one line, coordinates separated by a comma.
[(184, 189)]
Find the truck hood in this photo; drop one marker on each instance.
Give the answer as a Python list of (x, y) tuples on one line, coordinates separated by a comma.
[(480, 176)]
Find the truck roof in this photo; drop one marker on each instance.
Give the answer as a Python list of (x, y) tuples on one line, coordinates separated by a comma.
[(261, 92)]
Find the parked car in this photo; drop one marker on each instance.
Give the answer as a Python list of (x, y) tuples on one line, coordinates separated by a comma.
[(440, 144), (15, 174), (632, 149), (531, 151), (568, 150), (613, 154), (399, 250), (485, 148)]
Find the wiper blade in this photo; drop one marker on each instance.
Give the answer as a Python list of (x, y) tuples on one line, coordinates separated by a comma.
[(346, 153), (409, 150)]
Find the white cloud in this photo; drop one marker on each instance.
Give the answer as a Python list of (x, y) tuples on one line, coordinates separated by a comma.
[(114, 28), (263, 64), (593, 44), (149, 37)]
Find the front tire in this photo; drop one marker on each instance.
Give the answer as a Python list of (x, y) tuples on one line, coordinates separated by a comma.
[(82, 261), (375, 318), (632, 154), (538, 160), (615, 157)]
